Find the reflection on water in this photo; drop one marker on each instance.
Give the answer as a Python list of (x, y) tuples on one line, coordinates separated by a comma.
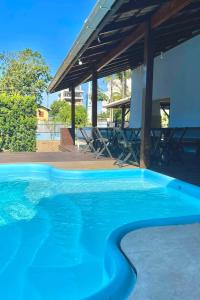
[(53, 232)]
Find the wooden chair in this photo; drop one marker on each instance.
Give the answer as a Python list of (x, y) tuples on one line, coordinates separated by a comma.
[(102, 143), (128, 141), (89, 141)]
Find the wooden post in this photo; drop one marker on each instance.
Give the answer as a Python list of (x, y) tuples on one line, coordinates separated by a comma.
[(123, 116), (147, 98), (73, 97), (94, 98)]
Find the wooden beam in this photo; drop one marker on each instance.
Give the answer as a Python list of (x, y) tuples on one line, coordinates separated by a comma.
[(132, 5), (61, 73), (147, 98), (73, 103), (94, 98), (123, 115), (123, 46), (119, 25), (165, 12)]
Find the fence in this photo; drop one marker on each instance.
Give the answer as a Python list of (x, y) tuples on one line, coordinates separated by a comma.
[(49, 131)]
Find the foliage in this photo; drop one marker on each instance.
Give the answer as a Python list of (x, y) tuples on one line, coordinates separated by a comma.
[(118, 85), (118, 89), (102, 95), (81, 116), (17, 122), (24, 72), (123, 77), (103, 115), (117, 115), (164, 120), (61, 112)]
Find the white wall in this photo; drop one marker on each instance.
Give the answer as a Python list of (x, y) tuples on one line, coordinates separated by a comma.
[(176, 76)]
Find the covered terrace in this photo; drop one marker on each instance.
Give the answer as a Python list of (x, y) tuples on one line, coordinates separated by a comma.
[(121, 35), (124, 105)]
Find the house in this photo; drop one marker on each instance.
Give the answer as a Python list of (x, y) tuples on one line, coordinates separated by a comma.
[(159, 41), (43, 113), (175, 87)]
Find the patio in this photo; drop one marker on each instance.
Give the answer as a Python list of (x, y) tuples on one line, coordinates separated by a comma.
[(72, 159), (133, 36), (118, 36), (77, 160), (167, 262)]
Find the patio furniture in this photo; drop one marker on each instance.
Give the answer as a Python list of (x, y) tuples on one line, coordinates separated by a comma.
[(129, 143), (101, 143), (110, 134), (169, 145), (89, 141), (158, 137), (191, 143)]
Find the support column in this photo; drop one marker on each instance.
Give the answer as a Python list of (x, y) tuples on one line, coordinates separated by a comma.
[(147, 98), (73, 97), (123, 115), (94, 98)]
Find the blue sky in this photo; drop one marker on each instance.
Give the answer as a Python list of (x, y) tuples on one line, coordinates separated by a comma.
[(48, 26)]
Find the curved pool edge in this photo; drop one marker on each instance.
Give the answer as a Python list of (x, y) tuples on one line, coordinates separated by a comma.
[(122, 273), (123, 281)]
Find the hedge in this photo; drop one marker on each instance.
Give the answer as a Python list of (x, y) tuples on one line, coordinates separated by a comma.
[(17, 123)]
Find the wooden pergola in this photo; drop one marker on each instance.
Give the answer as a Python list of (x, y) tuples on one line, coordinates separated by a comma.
[(121, 35), (124, 105)]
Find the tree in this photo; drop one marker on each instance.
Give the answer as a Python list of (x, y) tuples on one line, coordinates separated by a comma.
[(17, 122), (118, 90), (81, 116), (118, 85), (103, 115), (123, 77), (24, 72), (102, 95), (61, 112)]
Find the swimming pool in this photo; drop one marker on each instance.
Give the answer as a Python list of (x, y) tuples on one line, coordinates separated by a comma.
[(59, 230)]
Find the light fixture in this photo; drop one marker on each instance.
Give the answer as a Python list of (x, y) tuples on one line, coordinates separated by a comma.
[(80, 62), (99, 39), (161, 55)]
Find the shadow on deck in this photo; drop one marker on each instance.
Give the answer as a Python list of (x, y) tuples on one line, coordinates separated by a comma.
[(77, 160), (70, 159), (189, 171)]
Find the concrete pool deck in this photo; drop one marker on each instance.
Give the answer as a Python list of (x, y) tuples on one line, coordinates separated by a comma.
[(167, 260)]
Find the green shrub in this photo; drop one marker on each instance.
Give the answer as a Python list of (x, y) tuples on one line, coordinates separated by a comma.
[(61, 112), (17, 123), (81, 116)]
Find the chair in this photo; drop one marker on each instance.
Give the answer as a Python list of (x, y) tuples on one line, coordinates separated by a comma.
[(101, 142), (129, 143), (171, 145), (157, 138), (191, 141), (89, 141)]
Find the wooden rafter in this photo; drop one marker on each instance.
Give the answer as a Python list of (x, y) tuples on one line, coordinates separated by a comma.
[(173, 21), (165, 12)]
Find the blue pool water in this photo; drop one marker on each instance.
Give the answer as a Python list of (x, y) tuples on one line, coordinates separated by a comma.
[(59, 229)]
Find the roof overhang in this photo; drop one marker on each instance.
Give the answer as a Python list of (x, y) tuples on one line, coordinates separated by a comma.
[(119, 103), (112, 37)]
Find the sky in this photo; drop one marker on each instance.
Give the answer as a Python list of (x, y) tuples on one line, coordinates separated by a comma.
[(48, 26)]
